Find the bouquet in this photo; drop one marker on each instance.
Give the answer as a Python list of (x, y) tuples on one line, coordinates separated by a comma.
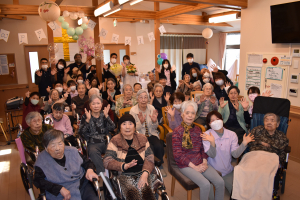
[(116, 69), (131, 69)]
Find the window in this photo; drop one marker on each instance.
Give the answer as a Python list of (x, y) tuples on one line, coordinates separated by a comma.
[(106, 54), (34, 64), (232, 51), (122, 53)]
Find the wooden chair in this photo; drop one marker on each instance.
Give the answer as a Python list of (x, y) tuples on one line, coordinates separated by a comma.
[(118, 96), (166, 123), (193, 94), (173, 169), (124, 111)]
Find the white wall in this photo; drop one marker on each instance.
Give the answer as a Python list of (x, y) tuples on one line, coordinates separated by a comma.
[(213, 48), (256, 37)]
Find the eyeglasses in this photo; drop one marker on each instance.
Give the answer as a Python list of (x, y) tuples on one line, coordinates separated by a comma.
[(143, 98)]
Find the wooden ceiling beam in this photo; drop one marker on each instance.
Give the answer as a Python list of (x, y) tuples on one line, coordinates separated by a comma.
[(19, 17), (176, 10), (9, 9), (222, 14), (174, 2), (225, 3), (137, 14)]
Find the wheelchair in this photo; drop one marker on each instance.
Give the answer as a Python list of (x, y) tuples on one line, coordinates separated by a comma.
[(280, 107)]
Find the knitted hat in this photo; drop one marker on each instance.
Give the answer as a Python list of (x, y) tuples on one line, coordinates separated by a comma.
[(125, 118)]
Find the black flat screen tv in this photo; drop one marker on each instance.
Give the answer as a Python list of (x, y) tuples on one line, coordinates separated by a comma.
[(285, 22)]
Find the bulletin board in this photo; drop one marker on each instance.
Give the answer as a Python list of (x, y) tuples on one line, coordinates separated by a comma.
[(267, 75), (8, 69)]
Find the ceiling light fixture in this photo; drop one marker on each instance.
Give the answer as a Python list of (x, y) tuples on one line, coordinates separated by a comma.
[(122, 1), (114, 10), (104, 8), (135, 2), (223, 18)]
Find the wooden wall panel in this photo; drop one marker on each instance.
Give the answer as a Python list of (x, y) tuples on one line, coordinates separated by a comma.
[(293, 133), (8, 79)]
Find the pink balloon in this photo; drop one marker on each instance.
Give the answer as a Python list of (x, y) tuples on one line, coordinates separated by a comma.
[(163, 56)]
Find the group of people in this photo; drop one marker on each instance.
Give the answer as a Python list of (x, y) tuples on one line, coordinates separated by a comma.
[(134, 139)]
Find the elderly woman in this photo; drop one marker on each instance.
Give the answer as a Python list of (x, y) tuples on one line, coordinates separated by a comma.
[(234, 113), (62, 171), (261, 163), (197, 86), (146, 118), (189, 154), (77, 104), (128, 100), (185, 84), (130, 154), (174, 114), (206, 104), (110, 93), (94, 127), (53, 98), (152, 82), (221, 144), (158, 100), (33, 135)]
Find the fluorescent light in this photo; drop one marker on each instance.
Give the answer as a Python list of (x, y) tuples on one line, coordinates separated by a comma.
[(135, 2), (224, 18), (116, 9), (103, 9), (122, 1), (80, 21)]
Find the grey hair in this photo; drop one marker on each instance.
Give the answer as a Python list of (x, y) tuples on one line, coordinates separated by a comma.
[(197, 83), (95, 96), (94, 90), (186, 104), (32, 115), (53, 90), (272, 114), (186, 75), (79, 84), (127, 85), (208, 84), (141, 91), (158, 85), (51, 135)]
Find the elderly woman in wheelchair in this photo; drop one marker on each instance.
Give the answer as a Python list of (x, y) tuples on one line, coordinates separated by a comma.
[(62, 171), (129, 154), (259, 167)]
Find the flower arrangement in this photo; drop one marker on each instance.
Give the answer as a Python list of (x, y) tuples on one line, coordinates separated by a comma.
[(86, 46), (116, 69), (131, 69)]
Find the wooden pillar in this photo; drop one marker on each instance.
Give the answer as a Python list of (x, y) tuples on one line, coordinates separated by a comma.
[(97, 40), (157, 38), (50, 40)]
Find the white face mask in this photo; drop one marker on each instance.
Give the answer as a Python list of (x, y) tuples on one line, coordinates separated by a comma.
[(217, 125), (113, 60), (34, 101), (59, 89), (206, 75), (60, 66), (219, 82), (177, 106), (166, 66), (190, 60), (45, 66), (195, 75), (79, 81), (206, 80), (73, 88)]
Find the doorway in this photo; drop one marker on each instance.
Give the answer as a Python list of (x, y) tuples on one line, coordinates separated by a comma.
[(120, 49), (33, 55)]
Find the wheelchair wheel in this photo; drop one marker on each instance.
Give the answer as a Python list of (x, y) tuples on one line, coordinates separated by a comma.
[(23, 172), (283, 182)]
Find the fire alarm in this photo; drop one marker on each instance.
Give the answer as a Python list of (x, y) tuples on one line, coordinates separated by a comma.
[(274, 61), (265, 60)]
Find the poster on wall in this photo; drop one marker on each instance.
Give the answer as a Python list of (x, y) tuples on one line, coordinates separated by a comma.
[(253, 77), (255, 60), (274, 73)]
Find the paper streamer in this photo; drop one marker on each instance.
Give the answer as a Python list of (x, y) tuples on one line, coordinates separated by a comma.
[(91, 24), (115, 38), (4, 34), (103, 33), (140, 40), (40, 34), (22, 38), (127, 41), (151, 36)]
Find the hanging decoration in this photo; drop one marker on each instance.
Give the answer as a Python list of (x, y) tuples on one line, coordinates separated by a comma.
[(49, 11), (99, 47), (207, 33), (87, 46)]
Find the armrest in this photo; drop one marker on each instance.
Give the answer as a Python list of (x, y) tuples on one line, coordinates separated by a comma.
[(157, 162), (287, 149), (168, 128)]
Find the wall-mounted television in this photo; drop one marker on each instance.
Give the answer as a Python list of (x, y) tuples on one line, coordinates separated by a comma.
[(285, 22)]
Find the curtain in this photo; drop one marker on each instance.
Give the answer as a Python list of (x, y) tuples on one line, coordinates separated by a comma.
[(222, 46)]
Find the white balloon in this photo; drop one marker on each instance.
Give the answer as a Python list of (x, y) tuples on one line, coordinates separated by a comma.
[(207, 33), (85, 20), (80, 14), (66, 13)]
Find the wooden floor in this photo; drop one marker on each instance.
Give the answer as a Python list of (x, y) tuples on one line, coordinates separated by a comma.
[(11, 187)]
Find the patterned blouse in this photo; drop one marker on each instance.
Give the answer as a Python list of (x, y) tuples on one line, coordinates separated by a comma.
[(278, 142), (96, 130), (119, 104)]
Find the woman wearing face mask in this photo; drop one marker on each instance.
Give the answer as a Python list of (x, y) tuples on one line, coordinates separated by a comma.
[(31, 104), (169, 73), (72, 88), (128, 78), (253, 92), (174, 114), (108, 74), (62, 70), (221, 86), (206, 76), (195, 75), (80, 79), (221, 144)]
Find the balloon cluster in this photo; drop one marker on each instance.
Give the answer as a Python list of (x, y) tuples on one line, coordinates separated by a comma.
[(73, 15), (161, 57), (99, 47)]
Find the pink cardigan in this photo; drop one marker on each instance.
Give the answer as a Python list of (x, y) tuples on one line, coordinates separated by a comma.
[(63, 125)]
